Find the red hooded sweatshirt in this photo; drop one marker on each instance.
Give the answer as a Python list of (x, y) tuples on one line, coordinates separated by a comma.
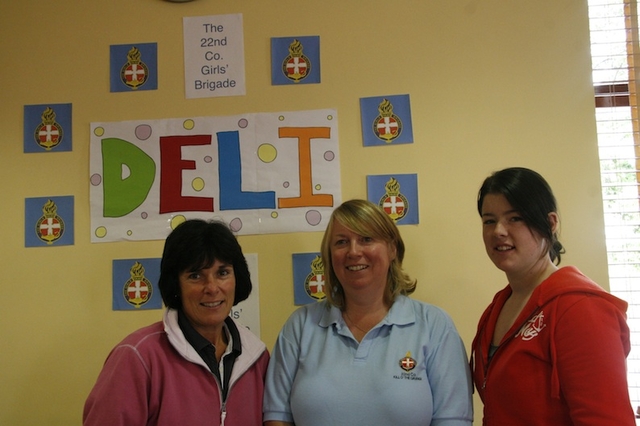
[(563, 362)]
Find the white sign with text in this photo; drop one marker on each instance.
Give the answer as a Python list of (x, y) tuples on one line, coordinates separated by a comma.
[(213, 56)]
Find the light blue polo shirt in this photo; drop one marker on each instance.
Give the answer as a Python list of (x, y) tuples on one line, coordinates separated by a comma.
[(410, 369)]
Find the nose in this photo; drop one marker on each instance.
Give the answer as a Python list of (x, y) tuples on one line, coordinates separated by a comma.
[(210, 284), (500, 228), (354, 248)]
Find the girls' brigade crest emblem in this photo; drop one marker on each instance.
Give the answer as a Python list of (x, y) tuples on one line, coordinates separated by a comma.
[(134, 73), (137, 289), (50, 226), (48, 134), (407, 363), (314, 283), (296, 66), (394, 204), (387, 126)]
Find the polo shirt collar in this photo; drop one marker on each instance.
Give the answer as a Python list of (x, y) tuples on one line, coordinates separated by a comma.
[(402, 312)]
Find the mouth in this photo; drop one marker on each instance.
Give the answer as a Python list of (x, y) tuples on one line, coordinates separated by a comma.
[(357, 267), (211, 304), (503, 248)]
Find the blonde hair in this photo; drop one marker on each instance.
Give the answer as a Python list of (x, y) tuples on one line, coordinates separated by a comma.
[(367, 219)]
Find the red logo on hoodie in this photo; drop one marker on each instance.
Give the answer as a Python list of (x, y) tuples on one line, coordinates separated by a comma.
[(533, 327)]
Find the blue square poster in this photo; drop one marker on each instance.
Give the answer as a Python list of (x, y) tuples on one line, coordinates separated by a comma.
[(386, 120), (135, 284), (295, 60), (397, 195), (47, 128), (134, 67), (48, 221), (308, 278)]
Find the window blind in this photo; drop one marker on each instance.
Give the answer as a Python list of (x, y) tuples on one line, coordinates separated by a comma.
[(615, 53)]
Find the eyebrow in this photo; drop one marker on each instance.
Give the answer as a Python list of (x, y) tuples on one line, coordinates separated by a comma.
[(512, 211)]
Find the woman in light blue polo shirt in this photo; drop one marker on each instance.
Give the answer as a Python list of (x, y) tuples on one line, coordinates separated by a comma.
[(368, 355)]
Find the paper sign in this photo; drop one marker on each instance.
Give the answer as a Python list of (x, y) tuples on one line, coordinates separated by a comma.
[(213, 56), (260, 173), (47, 128), (386, 120), (308, 278), (397, 195), (48, 221)]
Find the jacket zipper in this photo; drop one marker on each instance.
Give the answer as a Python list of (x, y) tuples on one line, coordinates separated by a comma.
[(513, 335), (223, 413)]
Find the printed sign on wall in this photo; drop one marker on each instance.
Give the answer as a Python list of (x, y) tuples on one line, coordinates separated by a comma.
[(135, 284), (134, 67), (48, 221), (47, 128), (295, 60), (308, 278), (213, 56), (260, 173), (386, 120), (397, 195)]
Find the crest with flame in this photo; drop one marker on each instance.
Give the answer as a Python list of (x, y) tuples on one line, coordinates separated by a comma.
[(50, 226), (394, 204), (48, 134), (135, 72), (296, 66), (387, 126), (407, 363), (137, 289), (314, 283)]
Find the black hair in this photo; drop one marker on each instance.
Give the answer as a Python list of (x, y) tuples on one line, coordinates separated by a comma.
[(531, 196), (196, 244)]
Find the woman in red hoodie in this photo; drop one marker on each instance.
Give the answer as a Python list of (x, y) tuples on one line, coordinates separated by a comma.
[(551, 347)]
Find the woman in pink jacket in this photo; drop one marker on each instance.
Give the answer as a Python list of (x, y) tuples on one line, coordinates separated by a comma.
[(197, 366), (551, 347)]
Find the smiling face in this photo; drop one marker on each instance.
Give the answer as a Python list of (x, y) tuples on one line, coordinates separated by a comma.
[(207, 297), (510, 243), (360, 262)]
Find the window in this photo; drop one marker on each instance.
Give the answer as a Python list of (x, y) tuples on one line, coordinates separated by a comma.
[(614, 51)]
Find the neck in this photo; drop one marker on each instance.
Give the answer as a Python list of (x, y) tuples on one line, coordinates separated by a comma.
[(525, 283), (362, 318)]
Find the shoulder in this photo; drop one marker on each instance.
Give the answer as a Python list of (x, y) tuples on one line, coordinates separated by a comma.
[(571, 290), (307, 319), (148, 335), (421, 309), (406, 310), (139, 348), (250, 342), (312, 312)]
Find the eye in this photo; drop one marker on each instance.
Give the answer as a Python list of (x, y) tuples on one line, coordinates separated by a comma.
[(193, 276), (340, 242), (368, 239), (488, 221), (223, 272)]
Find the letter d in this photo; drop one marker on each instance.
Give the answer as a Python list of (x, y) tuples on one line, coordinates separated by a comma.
[(123, 194)]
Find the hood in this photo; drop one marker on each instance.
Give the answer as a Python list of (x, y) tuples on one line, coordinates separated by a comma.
[(570, 280)]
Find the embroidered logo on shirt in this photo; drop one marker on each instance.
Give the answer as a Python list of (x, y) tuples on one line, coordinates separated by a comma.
[(407, 363), (533, 327)]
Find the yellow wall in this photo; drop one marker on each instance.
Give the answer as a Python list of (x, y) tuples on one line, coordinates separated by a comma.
[(493, 83)]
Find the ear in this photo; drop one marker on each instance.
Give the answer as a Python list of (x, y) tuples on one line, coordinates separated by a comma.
[(393, 252), (554, 221)]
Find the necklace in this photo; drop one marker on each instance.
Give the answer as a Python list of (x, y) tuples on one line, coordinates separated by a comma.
[(346, 315)]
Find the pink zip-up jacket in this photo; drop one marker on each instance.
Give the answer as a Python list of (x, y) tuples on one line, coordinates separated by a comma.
[(155, 377), (562, 363)]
